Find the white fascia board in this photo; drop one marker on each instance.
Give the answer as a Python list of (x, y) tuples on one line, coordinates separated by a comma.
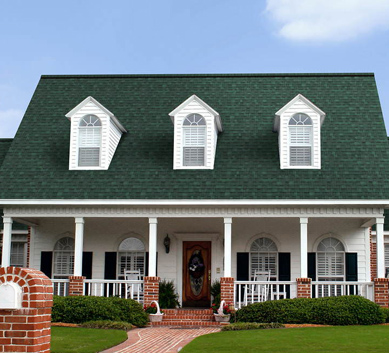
[(131, 202), (293, 101), (100, 106), (204, 105)]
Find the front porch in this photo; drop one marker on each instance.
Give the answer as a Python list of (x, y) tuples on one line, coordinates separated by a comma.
[(307, 252)]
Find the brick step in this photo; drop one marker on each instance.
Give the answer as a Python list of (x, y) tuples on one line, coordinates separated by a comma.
[(185, 318), (188, 311), (189, 316), (188, 323)]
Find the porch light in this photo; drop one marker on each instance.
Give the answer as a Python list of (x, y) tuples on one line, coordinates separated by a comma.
[(166, 242)]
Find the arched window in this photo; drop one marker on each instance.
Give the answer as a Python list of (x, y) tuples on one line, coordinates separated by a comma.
[(63, 264), (263, 257), (131, 256), (194, 130), (330, 260), (300, 140), (89, 141)]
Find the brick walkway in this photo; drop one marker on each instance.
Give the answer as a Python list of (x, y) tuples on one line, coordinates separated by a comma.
[(159, 340)]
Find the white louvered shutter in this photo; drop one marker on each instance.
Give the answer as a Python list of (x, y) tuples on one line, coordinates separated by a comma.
[(194, 146), (89, 147)]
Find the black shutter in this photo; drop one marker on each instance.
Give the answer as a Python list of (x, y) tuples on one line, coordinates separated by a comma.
[(147, 264), (351, 267), (242, 266), (312, 265), (110, 265), (284, 271), (312, 270), (47, 263), (87, 257)]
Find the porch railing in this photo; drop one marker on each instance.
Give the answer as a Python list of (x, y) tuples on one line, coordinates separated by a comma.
[(249, 292), (335, 289), (60, 287), (110, 288)]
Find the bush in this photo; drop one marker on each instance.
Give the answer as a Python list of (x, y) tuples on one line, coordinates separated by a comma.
[(215, 292), (108, 324), (345, 310), (81, 309), (385, 312), (251, 326), (168, 298)]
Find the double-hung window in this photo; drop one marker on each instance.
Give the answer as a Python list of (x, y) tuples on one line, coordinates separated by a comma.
[(263, 257), (131, 256), (63, 265), (89, 143), (194, 130), (300, 140)]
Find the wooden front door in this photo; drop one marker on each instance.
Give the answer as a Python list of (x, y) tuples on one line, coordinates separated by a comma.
[(197, 274)]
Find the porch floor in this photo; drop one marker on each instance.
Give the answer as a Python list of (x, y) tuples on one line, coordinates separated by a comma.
[(159, 339)]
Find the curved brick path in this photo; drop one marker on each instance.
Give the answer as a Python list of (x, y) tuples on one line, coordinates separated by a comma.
[(159, 340)]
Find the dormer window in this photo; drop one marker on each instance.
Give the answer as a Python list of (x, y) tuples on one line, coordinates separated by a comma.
[(300, 140), (89, 144), (298, 124), (95, 133), (194, 131)]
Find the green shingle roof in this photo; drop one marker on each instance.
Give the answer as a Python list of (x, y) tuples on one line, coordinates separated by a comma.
[(355, 160), (4, 147)]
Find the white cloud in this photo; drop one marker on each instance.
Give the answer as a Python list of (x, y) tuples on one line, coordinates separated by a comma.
[(328, 20), (9, 122)]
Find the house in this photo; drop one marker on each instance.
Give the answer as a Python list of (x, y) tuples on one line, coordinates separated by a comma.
[(197, 178)]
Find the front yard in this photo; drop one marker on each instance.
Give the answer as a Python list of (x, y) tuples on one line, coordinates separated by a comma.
[(84, 340), (355, 339)]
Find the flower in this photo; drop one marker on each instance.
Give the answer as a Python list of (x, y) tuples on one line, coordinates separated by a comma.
[(226, 308), (151, 309)]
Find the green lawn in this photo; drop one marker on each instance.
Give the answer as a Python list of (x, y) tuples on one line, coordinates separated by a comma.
[(84, 340), (355, 339)]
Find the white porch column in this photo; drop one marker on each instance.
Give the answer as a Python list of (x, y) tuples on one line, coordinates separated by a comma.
[(227, 246), (380, 248), (79, 246), (153, 247), (7, 232), (304, 247)]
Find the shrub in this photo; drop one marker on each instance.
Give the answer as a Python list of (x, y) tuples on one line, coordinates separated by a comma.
[(81, 309), (251, 326), (108, 324), (215, 292), (168, 298), (385, 312), (344, 310)]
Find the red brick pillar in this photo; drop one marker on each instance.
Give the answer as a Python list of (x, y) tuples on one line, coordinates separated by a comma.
[(381, 291), (26, 329), (76, 285), (304, 288), (373, 259), (150, 289), (227, 290)]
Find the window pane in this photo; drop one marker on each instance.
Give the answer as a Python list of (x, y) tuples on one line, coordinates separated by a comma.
[(90, 137), (300, 156), (300, 135), (194, 136), (89, 157), (193, 156), (18, 254)]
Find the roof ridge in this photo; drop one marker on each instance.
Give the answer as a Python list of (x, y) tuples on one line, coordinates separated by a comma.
[(341, 74)]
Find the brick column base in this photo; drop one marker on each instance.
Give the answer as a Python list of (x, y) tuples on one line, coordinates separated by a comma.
[(27, 329), (150, 289), (381, 291), (76, 285), (227, 290), (304, 288)]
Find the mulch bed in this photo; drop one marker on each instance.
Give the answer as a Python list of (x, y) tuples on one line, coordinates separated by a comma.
[(63, 324)]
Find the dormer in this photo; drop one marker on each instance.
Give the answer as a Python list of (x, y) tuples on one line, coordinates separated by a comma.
[(196, 128), (95, 133), (298, 124)]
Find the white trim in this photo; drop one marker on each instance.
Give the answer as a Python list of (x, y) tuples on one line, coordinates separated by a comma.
[(329, 235), (99, 105), (273, 238), (204, 202)]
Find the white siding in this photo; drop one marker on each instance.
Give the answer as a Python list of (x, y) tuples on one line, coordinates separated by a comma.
[(283, 138), (110, 137), (194, 107)]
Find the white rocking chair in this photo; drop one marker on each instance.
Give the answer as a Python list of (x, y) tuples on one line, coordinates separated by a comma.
[(133, 290), (258, 292)]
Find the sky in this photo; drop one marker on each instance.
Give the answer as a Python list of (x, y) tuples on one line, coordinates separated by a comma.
[(174, 36)]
